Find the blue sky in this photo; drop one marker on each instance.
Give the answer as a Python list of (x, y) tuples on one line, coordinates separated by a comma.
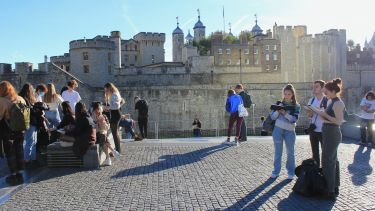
[(31, 29)]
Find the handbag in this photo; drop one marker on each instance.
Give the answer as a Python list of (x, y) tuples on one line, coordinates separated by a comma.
[(242, 112), (268, 124)]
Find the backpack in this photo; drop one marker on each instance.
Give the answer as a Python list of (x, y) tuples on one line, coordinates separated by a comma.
[(311, 181), (268, 124), (246, 98), (19, 117)]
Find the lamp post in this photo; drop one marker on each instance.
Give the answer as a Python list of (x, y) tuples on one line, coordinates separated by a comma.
[(240, 67)]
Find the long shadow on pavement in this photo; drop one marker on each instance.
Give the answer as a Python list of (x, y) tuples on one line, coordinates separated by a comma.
[(297, 202), (248, 202), (360, 168), (171, 161)]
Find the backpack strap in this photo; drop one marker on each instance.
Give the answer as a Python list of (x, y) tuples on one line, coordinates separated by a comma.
[(312, 100)]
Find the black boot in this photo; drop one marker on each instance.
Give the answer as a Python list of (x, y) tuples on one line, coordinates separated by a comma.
[(19, 177), (11, 180)]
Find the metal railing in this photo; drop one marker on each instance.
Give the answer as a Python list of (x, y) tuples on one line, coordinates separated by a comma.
[(210, 127)]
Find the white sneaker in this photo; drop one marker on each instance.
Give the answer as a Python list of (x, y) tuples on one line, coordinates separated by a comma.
[(227, 141), (108, 162), (274, 176), (290, 177), (116, 154)]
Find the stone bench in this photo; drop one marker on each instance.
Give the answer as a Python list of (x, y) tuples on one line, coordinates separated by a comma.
[(58, 156)]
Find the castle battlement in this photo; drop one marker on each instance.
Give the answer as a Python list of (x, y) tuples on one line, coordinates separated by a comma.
[(65, 58), (150, 36), (97, 42)]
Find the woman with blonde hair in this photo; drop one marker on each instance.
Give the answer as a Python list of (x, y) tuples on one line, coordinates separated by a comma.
[(113, 101), (12, 140), (53, 100)]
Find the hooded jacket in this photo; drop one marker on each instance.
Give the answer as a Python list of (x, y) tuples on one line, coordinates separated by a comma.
[(232, 103)]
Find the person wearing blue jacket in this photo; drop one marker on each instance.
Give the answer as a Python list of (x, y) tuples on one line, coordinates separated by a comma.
[(233, 101), (284, 131)]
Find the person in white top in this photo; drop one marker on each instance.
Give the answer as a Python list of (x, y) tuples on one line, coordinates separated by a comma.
[(113, 101), (367, 118), (319, 100), (53, 100), (71, 95)]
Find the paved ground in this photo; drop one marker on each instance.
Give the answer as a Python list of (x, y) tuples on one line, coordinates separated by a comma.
[(195, 176)]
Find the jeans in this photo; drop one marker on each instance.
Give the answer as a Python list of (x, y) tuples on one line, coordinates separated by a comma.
[(30, 143), (315, 139), (279, 136), (142, 124), (232, 119), (243, 135), (197, 132), (53, 118), (367, 124)]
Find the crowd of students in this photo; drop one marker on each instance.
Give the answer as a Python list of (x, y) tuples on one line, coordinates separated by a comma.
[(44, 116), (326, 112), (80, 128)]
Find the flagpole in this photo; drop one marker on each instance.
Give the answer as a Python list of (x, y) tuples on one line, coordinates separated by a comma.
[(223, 22)]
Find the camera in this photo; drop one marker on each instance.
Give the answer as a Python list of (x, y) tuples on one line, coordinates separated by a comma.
[(310, 129)]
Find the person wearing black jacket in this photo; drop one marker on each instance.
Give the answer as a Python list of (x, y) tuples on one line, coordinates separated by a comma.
[(142, 107), (197, 127), (247, 104), (84, 132), (67, 120)]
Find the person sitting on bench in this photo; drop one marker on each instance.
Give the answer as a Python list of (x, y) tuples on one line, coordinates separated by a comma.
[(83, 134), (67, 120)]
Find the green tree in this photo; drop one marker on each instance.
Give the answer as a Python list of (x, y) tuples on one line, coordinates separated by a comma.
[(204, 46), (231, 40), (350, 45)]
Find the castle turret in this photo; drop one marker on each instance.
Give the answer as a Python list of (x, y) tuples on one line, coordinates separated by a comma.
[(230, 30), (199, 29), (256, 30), (189, 39), (116, 38), (178, 43)]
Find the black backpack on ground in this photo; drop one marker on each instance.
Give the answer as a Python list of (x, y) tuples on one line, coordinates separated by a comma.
[(311, 181)]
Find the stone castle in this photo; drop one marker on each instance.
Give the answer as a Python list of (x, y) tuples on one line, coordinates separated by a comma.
[(194, 85)]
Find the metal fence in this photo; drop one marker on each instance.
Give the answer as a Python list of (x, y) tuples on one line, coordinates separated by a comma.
[(163, 129)]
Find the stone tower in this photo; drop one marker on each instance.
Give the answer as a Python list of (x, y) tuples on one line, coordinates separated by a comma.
[(199, 29), (151, 47), (116, 38), (178, 43)]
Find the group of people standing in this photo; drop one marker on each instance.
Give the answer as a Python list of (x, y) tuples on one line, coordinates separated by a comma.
[(236, 100), (48, 116), (324, 128)]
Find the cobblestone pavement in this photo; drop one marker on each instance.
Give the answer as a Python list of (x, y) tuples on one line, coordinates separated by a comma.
[(171, 176)]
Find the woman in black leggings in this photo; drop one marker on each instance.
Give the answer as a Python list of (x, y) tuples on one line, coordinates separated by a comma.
[(113, 100)]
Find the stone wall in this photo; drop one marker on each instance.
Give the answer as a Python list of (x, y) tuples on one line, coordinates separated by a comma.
[(177, 98)]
